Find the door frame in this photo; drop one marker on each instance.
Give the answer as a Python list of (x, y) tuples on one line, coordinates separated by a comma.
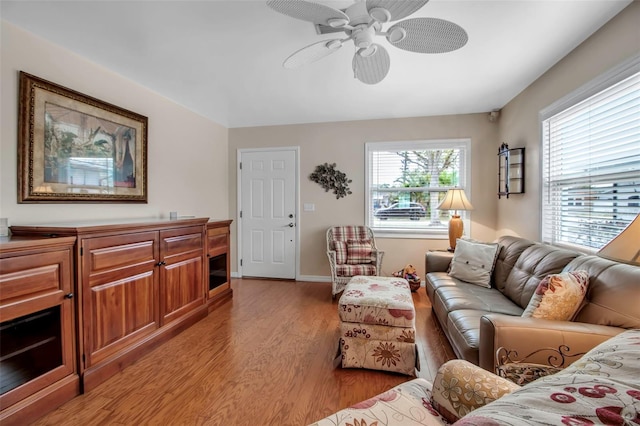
[(296, 201)]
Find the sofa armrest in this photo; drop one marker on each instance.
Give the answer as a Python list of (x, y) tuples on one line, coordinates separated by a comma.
[(524, 336), (437, 261), (460, 387)]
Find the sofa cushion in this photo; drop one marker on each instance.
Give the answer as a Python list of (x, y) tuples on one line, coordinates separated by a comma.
[(470, 296), (558, 296), (463, 332), (473, 262), (612, 296), (341, 252), (406, 404), (510, 250), (360, 252), (535, 263)]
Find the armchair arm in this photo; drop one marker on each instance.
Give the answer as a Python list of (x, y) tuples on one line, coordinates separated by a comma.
[(379, 255), (528, 335), (460, 387), (437, 261)]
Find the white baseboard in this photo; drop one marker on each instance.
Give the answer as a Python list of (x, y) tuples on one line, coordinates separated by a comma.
[(309, 278), (314, 278)]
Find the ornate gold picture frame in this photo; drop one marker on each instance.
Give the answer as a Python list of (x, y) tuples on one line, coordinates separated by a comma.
[(75, 148)]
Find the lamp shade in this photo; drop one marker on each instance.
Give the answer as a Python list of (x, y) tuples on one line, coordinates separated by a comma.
[(626, 246), (455, 199)]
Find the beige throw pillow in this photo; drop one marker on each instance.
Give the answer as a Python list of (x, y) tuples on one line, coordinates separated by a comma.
[(558, 296), (473, 262)]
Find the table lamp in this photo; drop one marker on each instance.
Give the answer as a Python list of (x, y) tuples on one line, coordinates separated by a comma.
[(455, 200)]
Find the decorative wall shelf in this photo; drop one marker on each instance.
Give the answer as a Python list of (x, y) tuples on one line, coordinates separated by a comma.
[(510, 171)]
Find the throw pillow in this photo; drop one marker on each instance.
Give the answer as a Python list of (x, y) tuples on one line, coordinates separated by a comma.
[(341, 252), (558, 296), (473, 262), (359, 252)]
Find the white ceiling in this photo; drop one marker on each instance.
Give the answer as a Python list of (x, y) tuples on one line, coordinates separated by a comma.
[(223, 59)]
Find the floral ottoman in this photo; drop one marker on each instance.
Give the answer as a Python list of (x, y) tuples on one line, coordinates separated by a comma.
[(377, 329)]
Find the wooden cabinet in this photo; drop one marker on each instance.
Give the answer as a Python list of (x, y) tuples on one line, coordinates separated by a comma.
[(140, 283), (38, 369), (218, 284)]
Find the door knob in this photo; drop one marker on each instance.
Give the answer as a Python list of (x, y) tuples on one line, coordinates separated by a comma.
[(291, 225), (291, 216)]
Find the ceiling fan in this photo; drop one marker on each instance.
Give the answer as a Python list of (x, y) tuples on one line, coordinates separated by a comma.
[(361, 22)]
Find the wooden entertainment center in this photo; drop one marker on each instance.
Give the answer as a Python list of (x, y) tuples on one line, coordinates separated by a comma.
[(115, 290)]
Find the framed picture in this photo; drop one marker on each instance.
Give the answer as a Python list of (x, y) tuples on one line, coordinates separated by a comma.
[(75, 148)]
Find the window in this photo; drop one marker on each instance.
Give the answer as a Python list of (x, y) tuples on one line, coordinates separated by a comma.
[(591, 162), (406, 181)]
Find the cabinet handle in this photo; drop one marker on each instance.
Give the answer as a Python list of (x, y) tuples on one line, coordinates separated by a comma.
[(68, 296), (161, 263)]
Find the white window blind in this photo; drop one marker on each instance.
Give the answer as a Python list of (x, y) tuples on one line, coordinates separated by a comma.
[(407, 180), (591, 167)]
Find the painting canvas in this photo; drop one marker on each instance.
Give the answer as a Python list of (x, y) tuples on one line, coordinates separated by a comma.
[(77, 148)]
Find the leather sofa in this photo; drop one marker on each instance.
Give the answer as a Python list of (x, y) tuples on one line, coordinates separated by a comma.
[(478, 321)]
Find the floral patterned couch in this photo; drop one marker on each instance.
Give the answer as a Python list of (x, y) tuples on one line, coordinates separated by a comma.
[(602, 387)]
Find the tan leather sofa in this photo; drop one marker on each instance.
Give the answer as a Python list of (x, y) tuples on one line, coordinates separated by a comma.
[(477, 320)]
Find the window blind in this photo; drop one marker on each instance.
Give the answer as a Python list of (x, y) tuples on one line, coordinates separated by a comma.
[(591, 167)]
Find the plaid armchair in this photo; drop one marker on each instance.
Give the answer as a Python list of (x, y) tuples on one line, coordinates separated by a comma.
[(351, 251)]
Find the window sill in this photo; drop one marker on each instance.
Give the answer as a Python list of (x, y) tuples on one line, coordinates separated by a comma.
[(411, 234)]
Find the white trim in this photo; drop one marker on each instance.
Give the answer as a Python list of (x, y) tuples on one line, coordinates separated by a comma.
[(618, 73), (435, 234), (239, 153), (314, 278), (614, 75)]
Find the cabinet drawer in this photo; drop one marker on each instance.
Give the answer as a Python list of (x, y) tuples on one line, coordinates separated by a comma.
[(122, 251), (40, 279), (181, 240), (217, 238)]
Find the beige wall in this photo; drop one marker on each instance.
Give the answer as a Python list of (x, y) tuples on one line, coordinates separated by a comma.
[(187, 153), (343, 143), (615, 42)]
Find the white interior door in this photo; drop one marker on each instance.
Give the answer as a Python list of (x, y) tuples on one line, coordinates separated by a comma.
[(268, 213)]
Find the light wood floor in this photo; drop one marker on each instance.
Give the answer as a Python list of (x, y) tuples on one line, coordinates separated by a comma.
[(263, 358)]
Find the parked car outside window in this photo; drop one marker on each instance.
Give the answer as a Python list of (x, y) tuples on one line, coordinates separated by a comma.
[(413, 211)]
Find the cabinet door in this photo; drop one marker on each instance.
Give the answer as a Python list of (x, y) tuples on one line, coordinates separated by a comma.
[(218, 260), (182, 280), (36, 333), (120, 292)]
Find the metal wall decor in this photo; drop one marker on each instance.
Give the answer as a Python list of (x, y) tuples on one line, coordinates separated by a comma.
[(327, 176)]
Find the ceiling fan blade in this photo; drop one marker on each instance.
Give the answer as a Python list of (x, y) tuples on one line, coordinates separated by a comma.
[(374, 68), (428, 35), (312, 53), (309, 11), (397, 9)]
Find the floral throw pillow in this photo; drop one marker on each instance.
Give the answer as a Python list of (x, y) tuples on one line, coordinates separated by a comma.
[(359, 252), (341, 252), (558, 296)]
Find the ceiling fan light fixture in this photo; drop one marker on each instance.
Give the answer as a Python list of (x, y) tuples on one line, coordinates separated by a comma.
[(337, 22), (380, 14), (396, 35), (334, 44), (365, 52)]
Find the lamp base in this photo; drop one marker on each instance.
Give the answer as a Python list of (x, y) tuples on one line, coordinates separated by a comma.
[(455, 231)]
